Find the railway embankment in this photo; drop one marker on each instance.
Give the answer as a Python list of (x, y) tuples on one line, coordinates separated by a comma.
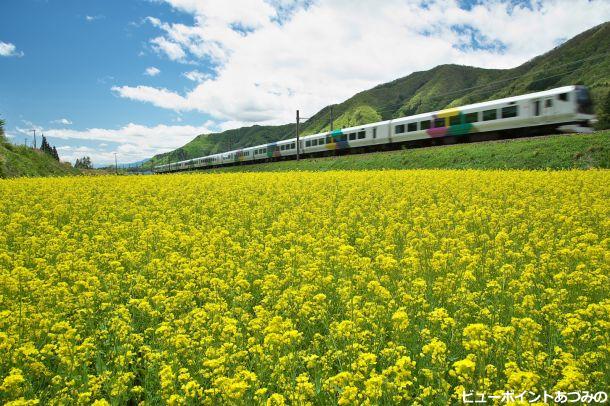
[(564, 151)]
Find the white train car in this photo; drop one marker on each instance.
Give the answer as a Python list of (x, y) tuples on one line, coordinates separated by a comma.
[(566, 108)]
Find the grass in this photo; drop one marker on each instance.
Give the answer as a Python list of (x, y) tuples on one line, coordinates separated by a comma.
[(571, 151), (18, 160)]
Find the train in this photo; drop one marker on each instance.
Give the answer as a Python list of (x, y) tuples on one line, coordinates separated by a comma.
[(563, 109)]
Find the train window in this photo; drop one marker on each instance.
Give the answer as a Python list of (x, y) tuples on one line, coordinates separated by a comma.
[(548, 103), (352, 136), (411, 127), (314, 143), (361, 135), (374, 133), (563, 96), (321, 141), (455, 120), (328, 139), (308, 143), (472, 117), (489, 115), (510, 111), (424, 125), (439, 122), (399, 129), (293, 145)]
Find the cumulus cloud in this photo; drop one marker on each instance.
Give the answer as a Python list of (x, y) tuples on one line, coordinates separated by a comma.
[(159, 97), (196, 76), (63, 121), (8, 49), (152, 71), (131, 142), (270, 58), (172, 50)]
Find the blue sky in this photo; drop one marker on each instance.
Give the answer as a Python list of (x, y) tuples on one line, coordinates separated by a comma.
[(138, 77)]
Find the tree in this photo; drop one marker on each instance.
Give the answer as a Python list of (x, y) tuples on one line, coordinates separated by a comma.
[(44, 145), (48, 149), (83, 163)]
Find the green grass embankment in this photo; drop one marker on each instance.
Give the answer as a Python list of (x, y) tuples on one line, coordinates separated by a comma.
[(570, 151), (18, 160)]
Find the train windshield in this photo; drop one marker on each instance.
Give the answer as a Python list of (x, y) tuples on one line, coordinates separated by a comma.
[(583, 100)]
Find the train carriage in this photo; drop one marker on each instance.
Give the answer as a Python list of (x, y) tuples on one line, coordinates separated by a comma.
[(567, 109)]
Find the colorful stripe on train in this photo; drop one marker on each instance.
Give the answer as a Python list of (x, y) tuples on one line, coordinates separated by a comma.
[(461, 128), (338, 140)]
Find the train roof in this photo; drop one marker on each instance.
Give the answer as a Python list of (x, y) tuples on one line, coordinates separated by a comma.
[(489, 103)]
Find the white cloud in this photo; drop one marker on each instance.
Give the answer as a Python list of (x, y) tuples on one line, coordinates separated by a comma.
[(93, 18), (159, 97), (152, 71), (63, 121), (172, 50), (8, 49), (196, 76), (271, 58), (135, 141)]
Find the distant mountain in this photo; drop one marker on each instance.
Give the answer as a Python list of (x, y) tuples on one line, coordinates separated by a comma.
[(585, 59)]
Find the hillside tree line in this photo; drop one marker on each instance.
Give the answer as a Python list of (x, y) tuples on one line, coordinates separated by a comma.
[(48, 149)]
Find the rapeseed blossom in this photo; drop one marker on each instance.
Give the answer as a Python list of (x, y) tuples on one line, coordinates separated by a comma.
[(376, 287)]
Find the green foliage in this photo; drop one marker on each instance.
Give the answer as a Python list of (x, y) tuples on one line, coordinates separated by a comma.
[(604, 114), (83, 163), (19, 160), (582, 60), (351, 118), (48, 149)]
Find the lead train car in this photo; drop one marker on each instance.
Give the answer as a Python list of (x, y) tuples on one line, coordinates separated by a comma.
[(566, 109)]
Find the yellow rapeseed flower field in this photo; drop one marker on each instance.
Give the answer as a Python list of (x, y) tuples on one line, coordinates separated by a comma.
[(303, 288)]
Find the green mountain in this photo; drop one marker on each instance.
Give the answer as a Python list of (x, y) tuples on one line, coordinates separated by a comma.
[(585, 59)]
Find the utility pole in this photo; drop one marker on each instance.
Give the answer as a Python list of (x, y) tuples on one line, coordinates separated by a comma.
[(299, 118), (116, 166), (331, 118), (297, 130)]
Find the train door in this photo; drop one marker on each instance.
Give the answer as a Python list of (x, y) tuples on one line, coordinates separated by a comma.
[(537, 111), (549, 107), (536, 108)]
